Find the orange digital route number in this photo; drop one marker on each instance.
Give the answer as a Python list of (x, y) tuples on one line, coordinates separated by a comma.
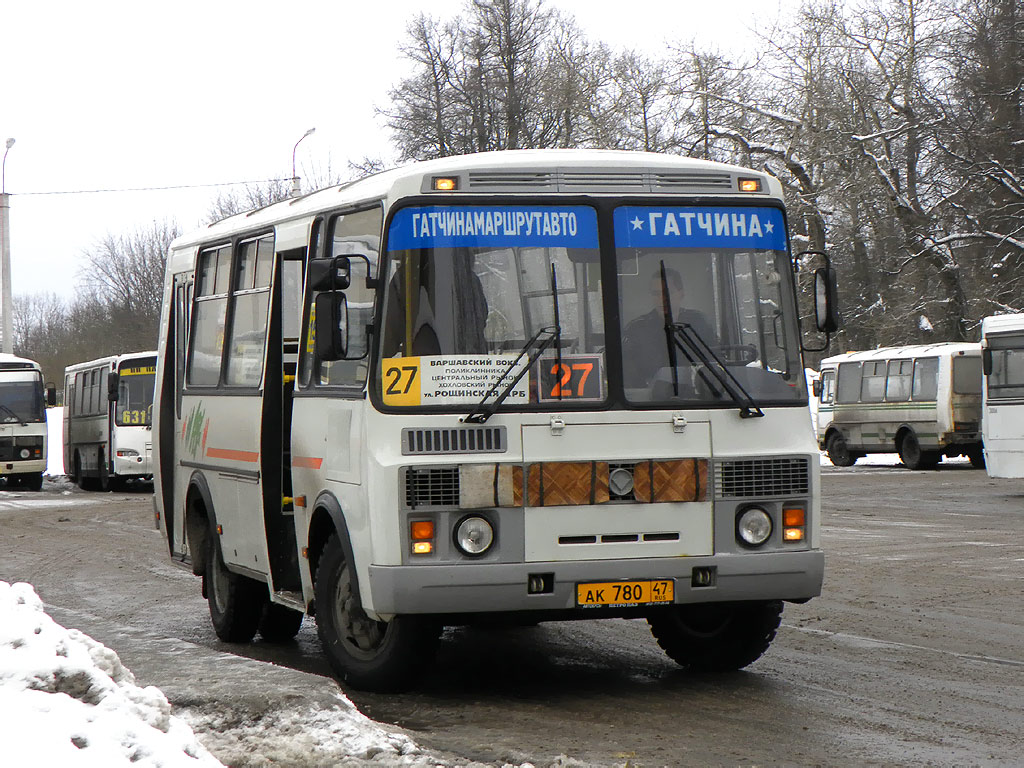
[(575, 377)]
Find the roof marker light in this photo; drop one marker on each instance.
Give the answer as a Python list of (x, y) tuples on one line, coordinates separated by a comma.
[(445, 184), (749, 185)]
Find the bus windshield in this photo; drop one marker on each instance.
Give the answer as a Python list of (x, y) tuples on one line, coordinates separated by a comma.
[(466, 289), (726, 275), (135, 393), (21, 397)]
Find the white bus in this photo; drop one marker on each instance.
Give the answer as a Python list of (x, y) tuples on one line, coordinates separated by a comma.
[(923, 402), (535, 385), (23, 401), (1002, 417), (108, 420)]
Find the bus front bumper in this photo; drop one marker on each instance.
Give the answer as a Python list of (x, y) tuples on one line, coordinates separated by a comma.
[(502, 587), (21, 467)]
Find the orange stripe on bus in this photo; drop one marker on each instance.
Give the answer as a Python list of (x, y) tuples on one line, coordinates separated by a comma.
[(232, 454), (306, 462)]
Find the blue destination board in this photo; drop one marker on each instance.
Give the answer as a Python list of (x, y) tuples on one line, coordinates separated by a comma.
[(493, 226), (699, 227)]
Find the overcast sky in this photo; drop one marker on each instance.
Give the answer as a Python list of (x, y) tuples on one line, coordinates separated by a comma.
[(126, 95)]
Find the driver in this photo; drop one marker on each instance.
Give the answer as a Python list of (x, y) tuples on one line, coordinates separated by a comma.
[(644, 347)]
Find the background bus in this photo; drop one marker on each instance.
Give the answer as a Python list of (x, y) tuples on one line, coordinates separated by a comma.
[(433, 396), (1002, 419), (108, 420), (923, 402), (23, 402)]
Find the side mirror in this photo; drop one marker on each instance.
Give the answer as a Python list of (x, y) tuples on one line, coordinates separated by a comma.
[(826, 300), (113, 383), (330, 326), (816, 387), (51, 395), (330, 274), (986, 361)]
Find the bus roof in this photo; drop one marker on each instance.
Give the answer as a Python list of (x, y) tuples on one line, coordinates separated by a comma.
[(947, 348), (1002, 323), (540, 171), (109, 360), (13, 362)]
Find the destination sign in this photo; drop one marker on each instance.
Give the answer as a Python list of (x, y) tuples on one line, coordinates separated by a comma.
[(699, 227)]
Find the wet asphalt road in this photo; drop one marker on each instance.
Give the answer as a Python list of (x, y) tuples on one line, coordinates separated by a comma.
[(914, 654)]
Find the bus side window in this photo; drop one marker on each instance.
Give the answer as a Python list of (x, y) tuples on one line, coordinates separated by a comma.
[(897, 386), (211, 301), (848, 389), (926, 378), (873, 386)]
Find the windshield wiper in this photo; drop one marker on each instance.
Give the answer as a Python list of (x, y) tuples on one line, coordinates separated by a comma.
[(684, 337), (483, 410), (17, 418)]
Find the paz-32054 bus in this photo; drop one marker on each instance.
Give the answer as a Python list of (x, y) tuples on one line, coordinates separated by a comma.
[(536, 385)]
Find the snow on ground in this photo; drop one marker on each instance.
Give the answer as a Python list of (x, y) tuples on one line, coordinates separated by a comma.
[(67, 700)]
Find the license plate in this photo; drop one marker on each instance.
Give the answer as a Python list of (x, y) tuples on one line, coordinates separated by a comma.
[(624, 593)]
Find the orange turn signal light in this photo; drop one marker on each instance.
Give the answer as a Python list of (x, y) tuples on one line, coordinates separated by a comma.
[(422, 547), (793, 517), (422, 530)]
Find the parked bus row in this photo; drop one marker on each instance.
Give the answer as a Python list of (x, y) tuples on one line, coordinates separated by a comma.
[(535, 385)]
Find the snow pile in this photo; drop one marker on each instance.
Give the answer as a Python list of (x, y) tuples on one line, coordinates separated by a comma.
[(67, 700)]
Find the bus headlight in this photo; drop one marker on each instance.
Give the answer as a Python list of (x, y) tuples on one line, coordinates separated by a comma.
[(474, 535), (24, 453), (754, 526)]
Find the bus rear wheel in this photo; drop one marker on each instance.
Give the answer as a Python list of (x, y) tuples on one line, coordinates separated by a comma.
[(716, 637), (977, 457), (366, 654), (915, 457), (236, 602), (839, 452)]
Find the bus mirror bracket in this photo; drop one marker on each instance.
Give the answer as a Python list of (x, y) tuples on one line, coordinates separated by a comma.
[(826, 299), (113, 382), (986, 361), (334, 273), (331, 329)]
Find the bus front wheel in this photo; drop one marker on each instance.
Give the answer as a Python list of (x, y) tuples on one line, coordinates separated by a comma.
[(839, 452), (236, 602), (364, 653), (716, 637)]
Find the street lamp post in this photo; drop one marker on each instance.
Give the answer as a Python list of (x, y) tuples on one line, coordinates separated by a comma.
[(296, 186), (7, 338)]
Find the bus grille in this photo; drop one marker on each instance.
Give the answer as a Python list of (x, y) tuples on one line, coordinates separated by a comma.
[(454, 440), (582, 180), (431, 487), (762, 477)]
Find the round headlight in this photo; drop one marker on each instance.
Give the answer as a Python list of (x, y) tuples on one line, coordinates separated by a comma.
[(25, 453), (474, 535), (754, 526)]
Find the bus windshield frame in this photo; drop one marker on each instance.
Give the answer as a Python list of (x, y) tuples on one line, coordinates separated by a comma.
[(21, 397), (493, 275), (136, 380)]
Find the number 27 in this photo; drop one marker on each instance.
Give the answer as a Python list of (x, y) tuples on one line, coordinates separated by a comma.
[(563, 386)]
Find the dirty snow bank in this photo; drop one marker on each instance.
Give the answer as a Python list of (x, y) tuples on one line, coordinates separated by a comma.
[(67, 700)]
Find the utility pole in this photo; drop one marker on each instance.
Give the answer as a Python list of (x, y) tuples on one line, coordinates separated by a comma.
[(7, 329)]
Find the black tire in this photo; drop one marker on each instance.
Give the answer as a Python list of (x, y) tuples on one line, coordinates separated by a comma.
[(366, 654), (104, 481), (915, 457), (236, 602), (83, 482), (33, 481), (839, 452), (279, 624), (977, 457), (716, 637)]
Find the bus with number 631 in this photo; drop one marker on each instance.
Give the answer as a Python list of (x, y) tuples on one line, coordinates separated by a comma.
[(529, 385)]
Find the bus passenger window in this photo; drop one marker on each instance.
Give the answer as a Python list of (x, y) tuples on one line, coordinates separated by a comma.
[(897, 386), (848, 390), (926, 378), (873, 386)]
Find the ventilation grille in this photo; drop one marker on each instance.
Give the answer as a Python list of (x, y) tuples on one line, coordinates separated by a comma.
[(762, 477), (416, 442), (431, 487), (599, 181)]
